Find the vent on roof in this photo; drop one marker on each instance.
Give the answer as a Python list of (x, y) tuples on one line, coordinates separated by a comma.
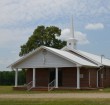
[(102, 56)]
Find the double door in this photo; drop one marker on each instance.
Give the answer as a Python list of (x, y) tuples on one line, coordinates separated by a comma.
[(52, 76)]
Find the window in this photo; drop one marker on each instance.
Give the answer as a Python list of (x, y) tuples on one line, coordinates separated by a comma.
[(81, 76), (101, 75)]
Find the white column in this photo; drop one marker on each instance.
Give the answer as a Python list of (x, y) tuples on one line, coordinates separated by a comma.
[(34, 81), (97, 79), (89, 79), (56, 78), (78, 78), (16, 77)]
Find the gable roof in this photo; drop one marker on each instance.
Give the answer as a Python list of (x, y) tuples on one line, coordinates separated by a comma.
[(92, 57), (97, 58), (72, 57), (64, 54)]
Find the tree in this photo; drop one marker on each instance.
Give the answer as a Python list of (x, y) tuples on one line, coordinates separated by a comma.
[(43, 36), (8, 77)]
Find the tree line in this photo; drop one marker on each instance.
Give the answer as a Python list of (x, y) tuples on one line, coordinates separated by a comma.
[(8, 77)]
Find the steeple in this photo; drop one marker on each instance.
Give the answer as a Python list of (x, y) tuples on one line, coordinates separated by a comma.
[(72, 28), (72, 42)]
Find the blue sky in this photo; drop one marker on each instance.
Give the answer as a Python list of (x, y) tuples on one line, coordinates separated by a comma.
[(19, 18)]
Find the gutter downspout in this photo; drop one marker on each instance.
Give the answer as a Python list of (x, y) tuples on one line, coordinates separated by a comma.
[(89, 79), (98, 75)]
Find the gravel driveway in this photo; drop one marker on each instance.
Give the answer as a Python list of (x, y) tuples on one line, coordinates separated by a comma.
[(57, 95)]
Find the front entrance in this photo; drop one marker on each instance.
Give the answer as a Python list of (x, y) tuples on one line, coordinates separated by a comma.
[(52, 76)]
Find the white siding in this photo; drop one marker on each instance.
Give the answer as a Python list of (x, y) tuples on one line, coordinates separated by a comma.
[(37, 61)]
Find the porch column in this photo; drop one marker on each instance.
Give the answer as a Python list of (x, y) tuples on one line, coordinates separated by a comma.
[(16, 77), (34, 81), (78, 78), (56, 78), (97, 79), (89, 78)]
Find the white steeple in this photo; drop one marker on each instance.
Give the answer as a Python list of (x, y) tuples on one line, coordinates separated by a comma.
[(72, 28), (72, 42)]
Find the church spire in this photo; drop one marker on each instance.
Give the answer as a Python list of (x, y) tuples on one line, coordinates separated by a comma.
[(72, 27), (72, 42)]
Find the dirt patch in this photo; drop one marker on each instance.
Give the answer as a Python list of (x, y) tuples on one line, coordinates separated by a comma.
[(58, 95)]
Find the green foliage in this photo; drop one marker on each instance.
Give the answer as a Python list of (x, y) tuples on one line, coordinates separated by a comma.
[(43, 36), (8, 77)]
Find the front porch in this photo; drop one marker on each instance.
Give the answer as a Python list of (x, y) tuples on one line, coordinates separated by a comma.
[(70, 78), (23, 88)]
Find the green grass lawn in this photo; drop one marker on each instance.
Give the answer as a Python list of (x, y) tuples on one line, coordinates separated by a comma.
[(9, 90), (55, 102)]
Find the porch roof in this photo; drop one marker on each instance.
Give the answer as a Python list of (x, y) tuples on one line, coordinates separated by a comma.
[(79, 61)]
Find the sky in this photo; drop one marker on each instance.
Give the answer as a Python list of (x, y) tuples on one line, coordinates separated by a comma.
[(19, 18)]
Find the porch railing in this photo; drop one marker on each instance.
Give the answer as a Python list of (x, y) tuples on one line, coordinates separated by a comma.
[(51, 85), (29, 85)]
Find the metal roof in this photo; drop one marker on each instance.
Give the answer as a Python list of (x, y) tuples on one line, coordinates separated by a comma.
[(72, 57), (97, 58), (78, 60)]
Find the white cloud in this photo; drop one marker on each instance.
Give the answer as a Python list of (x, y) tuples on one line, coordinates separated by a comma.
[(13, 36), (24, 13), (13, 11), (14, 52), (6, 61), (94, 26), (65, 34), (81, 37)]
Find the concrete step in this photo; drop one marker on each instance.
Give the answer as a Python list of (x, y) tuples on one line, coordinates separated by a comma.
[(39, 89)]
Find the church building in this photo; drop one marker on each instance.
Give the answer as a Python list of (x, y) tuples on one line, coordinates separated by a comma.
[(68, 68)]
